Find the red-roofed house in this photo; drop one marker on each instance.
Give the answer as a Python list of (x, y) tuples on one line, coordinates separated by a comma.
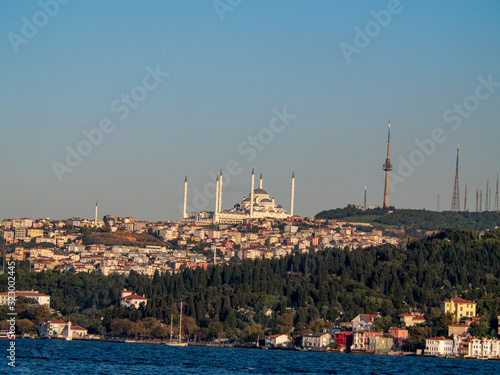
[(363, 322), (409, 320), (74, 332), (128, 298), (438, 346), (459, 307)]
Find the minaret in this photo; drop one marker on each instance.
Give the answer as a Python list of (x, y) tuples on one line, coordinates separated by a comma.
[(251, 194), (260, 181), (455, 201), (465, 199), (95, 218), (438, 204), (216, 215), (220, 192), (364, 202), (387, 169), (292, 196), (184, 213), (496, 197), (481, 200)]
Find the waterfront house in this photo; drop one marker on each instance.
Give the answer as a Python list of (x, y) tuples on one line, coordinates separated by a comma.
[(52, 328), (360, 339), (277, 340), (380, 344), (399, 335), (316, 340), (74, 332), (343, 340), (438, 346)]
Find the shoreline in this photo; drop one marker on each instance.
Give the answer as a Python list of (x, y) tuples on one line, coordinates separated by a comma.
[(241, 346)]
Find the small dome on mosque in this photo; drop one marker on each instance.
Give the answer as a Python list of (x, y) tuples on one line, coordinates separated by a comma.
[(266, 200)]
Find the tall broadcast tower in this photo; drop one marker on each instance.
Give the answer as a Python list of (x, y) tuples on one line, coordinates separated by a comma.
[(496, 198), (455, 201), (387, 168)]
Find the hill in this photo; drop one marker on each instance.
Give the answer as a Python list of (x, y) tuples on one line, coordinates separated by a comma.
[(122, 238), (415, 220), (303, 291)]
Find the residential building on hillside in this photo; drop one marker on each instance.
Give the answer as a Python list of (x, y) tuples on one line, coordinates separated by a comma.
[(129, 298), (363, 322), (42, 299), (459, 307), (409, 320)]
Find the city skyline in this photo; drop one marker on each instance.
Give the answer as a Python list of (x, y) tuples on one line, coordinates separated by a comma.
[(119, 104)]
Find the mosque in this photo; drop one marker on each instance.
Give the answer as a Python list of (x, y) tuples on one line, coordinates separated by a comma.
[(257, 205)]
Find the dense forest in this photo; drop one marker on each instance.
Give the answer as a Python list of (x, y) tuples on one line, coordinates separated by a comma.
[(416, 219), (302, 292)]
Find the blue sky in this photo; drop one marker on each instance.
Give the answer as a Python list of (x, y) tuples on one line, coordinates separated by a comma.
[(230, 69)]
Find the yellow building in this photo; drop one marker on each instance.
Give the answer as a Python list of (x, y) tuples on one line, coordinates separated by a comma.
[(35, 232), (459, 307)]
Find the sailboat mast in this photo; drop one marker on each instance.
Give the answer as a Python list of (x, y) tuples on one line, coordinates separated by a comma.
[(171, 321), (180, 325)]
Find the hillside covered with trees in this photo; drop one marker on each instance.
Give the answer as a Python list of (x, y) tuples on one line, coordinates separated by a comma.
[(303, 292), (415, 219)]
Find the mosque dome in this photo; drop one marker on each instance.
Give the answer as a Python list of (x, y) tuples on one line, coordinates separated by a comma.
[(260, 192)]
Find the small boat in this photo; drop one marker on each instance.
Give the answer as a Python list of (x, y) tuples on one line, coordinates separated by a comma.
[(7, 335), (176, 343)]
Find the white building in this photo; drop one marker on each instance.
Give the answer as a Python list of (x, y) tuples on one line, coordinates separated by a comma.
[(316, 340), (129, 299), (74, 332), (363, 322), (438, 346), (42, 299), (277, 340), (52, 328)]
